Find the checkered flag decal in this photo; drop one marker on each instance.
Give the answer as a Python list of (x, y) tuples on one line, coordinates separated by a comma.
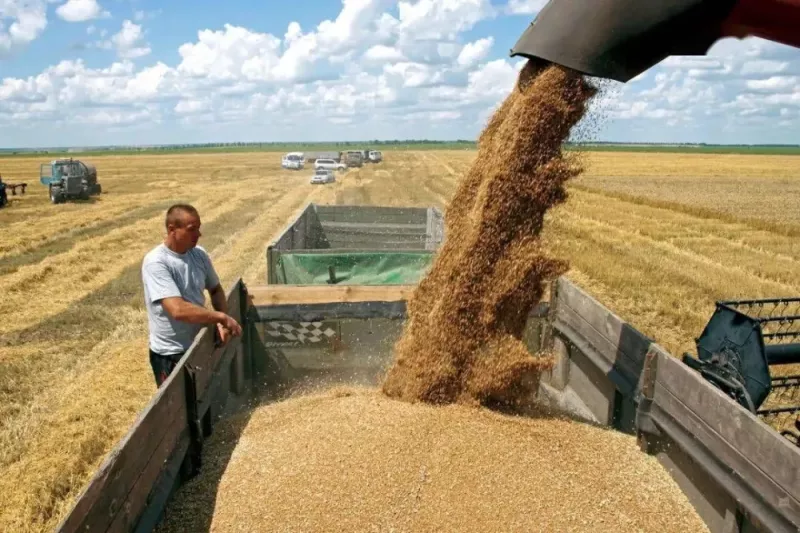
[(301, 332)]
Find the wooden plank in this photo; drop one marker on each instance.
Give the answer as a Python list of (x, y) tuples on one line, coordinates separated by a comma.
[(730, 469), (376, 227), (284, 239), (137, 500), (106, 494), (237, 371), (596, 347), (629, 342), (622, 345), (314, 294), (715, 506), (168, 481), (205, 362), (331, 311), (210, 367), (597, 392), (364, 213), (736, 436), (339, 251)]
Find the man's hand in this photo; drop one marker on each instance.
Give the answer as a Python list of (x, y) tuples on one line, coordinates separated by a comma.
[(228, 328), (224, 333)]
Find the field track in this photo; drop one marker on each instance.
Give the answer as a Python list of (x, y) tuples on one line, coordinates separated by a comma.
[(656, 237)]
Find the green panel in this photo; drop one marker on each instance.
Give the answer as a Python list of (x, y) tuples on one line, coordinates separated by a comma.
[(353, 268)]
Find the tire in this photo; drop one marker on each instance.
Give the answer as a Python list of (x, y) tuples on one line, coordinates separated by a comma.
[(97, 189), (84, 195), (55, 195)]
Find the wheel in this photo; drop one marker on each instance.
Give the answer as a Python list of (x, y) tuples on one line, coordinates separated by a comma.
[(84, 194), (55, 195), (97, 189)]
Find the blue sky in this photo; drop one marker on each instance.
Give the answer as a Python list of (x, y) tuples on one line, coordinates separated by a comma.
[(98, 72)]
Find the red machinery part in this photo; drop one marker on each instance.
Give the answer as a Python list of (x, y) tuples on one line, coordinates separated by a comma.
[(775, 20)]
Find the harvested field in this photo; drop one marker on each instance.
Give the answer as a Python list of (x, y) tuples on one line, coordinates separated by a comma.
[(73, 364), (354, 460)]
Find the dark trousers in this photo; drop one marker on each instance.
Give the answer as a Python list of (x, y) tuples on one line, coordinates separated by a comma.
[(163, 365)]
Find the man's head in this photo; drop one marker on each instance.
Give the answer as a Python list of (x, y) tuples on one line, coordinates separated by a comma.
[(183, 228)]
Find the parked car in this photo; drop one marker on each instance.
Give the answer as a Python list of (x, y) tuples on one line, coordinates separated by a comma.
[(293, 161), (322, 175), (375, 156), (328, 164)]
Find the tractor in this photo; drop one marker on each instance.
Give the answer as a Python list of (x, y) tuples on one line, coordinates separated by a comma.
[(69, 179)]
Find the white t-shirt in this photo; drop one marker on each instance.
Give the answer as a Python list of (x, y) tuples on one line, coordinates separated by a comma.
[(165, 274)]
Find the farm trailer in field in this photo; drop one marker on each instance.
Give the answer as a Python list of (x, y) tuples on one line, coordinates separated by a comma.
[(363, 245), (739, 473)]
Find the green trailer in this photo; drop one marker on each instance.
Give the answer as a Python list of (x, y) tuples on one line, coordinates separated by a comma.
[(329, 251), (355, 245)]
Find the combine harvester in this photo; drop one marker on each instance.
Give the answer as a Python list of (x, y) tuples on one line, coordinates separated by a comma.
[(333, 307)]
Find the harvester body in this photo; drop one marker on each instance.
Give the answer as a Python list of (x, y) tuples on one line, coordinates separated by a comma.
[(620, 39), (69, 179)]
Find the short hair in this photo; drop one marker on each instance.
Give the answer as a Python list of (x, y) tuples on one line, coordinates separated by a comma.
[(173, 214)]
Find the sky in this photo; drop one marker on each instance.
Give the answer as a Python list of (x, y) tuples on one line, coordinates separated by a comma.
[(105, 72)]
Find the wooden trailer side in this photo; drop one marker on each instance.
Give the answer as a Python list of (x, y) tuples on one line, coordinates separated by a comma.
[(738, 472), (134, 483)]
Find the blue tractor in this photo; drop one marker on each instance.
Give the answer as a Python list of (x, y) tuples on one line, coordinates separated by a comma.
[(69, 179)]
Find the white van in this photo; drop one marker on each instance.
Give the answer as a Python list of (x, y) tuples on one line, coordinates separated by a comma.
[(375, 156), (293, 161)]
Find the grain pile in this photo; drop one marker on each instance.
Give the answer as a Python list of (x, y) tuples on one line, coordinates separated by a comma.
[(466, 318), (354, 460)]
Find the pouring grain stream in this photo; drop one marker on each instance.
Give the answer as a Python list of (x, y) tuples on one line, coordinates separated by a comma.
[(465, 320)]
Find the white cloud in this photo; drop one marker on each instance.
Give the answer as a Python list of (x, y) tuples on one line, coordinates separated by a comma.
[(20, 24), (80, 10), (525, 7), (472, 53), (773, 84), (229, 54), (764, 66), (441, 19), (140, 15), (129, 42), (193, 106), (381, 52)]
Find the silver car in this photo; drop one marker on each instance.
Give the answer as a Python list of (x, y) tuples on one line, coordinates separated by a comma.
[(328, 164), (322, 175)]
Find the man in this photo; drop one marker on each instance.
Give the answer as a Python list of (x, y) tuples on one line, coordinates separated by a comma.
[(175, 273)]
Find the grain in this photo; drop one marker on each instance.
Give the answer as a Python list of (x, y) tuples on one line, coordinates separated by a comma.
[(352, 459), (465, 320)]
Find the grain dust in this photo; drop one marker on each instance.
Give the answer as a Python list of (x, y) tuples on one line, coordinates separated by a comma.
[(466, 318), (354, 460)]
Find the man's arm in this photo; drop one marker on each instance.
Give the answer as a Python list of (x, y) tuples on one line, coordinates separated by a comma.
[(219, 303), (185, 311), (218, 300)]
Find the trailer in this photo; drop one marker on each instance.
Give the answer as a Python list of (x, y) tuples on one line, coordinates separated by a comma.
[(740, 474), (361, 245)]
